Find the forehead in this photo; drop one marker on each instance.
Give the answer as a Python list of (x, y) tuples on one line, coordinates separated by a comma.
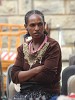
[(35, 17)]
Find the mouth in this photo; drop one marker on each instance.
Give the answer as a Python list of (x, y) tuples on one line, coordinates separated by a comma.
[(37, 33)]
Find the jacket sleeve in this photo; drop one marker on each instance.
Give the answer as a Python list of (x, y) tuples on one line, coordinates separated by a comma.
[(17, 65), (52, 65)]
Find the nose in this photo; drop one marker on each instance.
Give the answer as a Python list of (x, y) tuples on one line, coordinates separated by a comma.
[(36, 27)]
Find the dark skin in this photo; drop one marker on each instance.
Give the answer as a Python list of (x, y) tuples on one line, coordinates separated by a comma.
[(39, 24), (35, 27)]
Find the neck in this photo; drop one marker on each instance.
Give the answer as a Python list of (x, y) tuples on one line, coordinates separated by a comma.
[(37, 45), (39, 40)]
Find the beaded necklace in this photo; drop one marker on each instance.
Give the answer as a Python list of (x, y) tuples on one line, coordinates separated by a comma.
[(32, 50), (33, 57)]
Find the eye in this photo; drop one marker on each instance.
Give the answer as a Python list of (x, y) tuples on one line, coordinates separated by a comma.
[(40, 24), (32, 25)]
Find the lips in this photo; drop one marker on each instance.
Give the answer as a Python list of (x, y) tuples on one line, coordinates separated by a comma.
[(37, 33)]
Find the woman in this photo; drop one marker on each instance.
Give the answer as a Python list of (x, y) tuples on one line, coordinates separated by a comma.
[(38, 64)]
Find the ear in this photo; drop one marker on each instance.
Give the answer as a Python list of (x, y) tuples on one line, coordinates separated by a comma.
[(25, 27)]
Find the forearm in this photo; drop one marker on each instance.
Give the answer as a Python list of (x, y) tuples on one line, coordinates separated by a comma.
[(25, 75), (45, 77)]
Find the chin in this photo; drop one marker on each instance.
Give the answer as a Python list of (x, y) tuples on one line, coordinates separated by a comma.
[(37, 37)]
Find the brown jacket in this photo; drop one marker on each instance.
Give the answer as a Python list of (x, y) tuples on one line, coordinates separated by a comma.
[(50, 75)]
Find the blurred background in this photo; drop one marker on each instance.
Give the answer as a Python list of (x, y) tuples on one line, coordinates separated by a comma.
[(59, 14)]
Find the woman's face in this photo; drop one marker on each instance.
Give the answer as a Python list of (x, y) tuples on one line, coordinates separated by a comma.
[(35, 26)]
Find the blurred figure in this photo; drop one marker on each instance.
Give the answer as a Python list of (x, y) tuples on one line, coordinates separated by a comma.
[(63, 97)]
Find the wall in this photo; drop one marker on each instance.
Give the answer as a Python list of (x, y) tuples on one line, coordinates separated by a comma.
[(59, 14)]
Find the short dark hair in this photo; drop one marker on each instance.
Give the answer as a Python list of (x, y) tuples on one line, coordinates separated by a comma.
[(28, 14)]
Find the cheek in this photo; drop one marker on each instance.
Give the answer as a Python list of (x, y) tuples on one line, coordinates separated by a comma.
[(29, 30), (42, 29)]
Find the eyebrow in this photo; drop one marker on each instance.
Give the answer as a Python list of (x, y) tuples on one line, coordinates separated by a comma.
[(39, 23)]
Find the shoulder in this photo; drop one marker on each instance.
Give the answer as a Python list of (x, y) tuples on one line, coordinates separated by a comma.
[(53, 42), (20, 48), (53, 45)]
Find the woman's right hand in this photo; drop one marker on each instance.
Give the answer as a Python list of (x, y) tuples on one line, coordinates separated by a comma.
[(26, 75)]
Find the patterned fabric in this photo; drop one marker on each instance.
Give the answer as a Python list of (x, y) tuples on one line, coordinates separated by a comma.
[(49, 56), (36, 94), (35, 57)]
